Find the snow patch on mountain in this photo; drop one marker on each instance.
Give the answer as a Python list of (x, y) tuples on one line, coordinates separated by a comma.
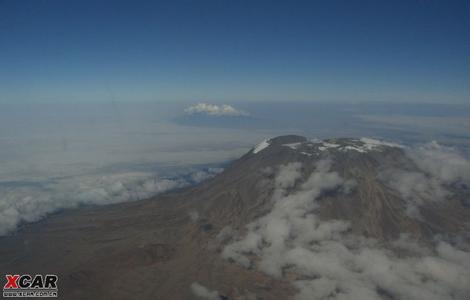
[(261, 146), (371, 144), (362, 145), (325, 145), (293, 146)]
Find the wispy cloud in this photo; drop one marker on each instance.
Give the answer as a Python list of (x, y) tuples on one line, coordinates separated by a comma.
[(438, 167), (202, 292)]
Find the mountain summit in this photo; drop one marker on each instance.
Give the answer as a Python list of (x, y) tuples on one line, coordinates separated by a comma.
[(338, 218)]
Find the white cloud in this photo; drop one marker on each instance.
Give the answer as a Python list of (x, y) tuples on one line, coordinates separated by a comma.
[(288, 175), (202, 292), (415, 188), (193, 215), (215, 110), (438, 167), (291, 217), (326, 261), (200, 176), (32, 203), (443, 163)]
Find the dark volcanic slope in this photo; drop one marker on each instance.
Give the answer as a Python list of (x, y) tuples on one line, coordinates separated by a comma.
[(157, 248)]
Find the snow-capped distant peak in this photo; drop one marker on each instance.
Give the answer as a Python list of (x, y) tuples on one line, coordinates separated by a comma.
[(261, 146)]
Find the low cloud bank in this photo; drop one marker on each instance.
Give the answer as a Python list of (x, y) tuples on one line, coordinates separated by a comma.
[(215, 110), (439, 168), (30, 203), (328, 262), (441, 162)]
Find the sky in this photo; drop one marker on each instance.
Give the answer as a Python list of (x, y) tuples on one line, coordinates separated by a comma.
[(235, 51)]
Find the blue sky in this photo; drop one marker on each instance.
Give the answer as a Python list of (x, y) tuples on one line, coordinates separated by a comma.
[(229, 51)]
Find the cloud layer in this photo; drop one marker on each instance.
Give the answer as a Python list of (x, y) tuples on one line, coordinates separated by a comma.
[(438, 167), (30, 203), (328, 262), (215, 110)]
